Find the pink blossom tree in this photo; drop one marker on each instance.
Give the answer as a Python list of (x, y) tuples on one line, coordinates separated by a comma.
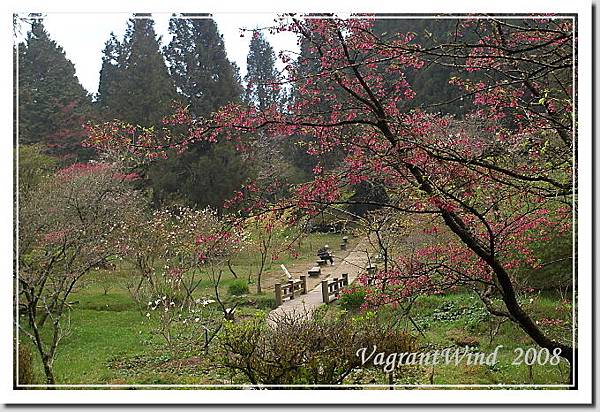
[(491, 181), (68, 225), (180, 247)]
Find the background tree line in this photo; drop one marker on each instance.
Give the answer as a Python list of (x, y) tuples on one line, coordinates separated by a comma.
[(140, 82)]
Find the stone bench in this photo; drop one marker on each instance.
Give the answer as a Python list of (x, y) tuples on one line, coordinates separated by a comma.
[(343, 246), (321, 262), (314, 271)]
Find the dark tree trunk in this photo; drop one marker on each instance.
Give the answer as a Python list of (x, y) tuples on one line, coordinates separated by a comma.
[(48, 371)]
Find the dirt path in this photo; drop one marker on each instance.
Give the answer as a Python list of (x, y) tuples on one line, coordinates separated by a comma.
[(353, 263)]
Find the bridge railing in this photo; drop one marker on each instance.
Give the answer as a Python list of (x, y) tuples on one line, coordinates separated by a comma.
[(290, 290), (331, 289)]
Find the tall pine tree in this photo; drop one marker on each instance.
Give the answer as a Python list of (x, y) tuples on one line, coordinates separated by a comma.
[(52, 103), (113, 65), (270, 155), (430, 83), (307, 66), (134, 81), (198, 64), (261, 79), (206, 174)]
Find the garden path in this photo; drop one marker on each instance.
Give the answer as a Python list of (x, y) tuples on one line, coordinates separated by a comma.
[(353, 263)]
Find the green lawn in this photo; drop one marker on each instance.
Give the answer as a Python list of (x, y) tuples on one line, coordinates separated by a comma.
[(112, 341), (459, 319)]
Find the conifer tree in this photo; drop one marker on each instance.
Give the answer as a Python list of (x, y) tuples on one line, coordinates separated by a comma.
[(432, 83), (307, 67), (135, 84), (262, 89), (113, 64), (198, 64), (52, 103), (207, 174)]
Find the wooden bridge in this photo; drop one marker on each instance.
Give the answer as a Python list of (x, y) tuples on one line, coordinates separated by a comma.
[(295, 299)]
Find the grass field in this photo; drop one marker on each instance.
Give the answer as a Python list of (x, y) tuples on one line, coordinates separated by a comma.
[(112, 341), (460, 319)]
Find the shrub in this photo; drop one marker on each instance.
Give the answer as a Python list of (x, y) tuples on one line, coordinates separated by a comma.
[(238, 287), (266, 302), (557, 273), (25, 367), (460, 338), (304, 350), (352, 298)]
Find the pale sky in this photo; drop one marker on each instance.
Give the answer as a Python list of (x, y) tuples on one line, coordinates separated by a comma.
[(82, 37)]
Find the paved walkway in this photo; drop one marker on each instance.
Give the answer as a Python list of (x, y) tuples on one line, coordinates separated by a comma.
[(303, 305)]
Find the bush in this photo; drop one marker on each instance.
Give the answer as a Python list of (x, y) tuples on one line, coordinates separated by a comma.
[(352, 298), (460, 338), (238, 287), (556, 271), (301, 350), (266, 302), (26, 373)]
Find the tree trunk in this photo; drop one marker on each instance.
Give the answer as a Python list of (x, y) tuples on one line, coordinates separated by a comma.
[(48, 371), (263, 259), (258, 287)]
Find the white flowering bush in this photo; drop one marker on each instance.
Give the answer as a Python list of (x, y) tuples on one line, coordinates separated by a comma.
[(178, 249)]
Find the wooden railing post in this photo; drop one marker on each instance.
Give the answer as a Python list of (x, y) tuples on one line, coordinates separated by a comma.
[(278, 294), (325, 291), (303, 280), (291, 283)]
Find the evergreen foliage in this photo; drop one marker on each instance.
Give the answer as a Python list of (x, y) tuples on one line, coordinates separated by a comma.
[(261, 79), (198, 64), (135, 85), (52, 103), (433, 92), (206, 175)]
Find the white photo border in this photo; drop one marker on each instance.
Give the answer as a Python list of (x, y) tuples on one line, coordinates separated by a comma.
[(583, 393)]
